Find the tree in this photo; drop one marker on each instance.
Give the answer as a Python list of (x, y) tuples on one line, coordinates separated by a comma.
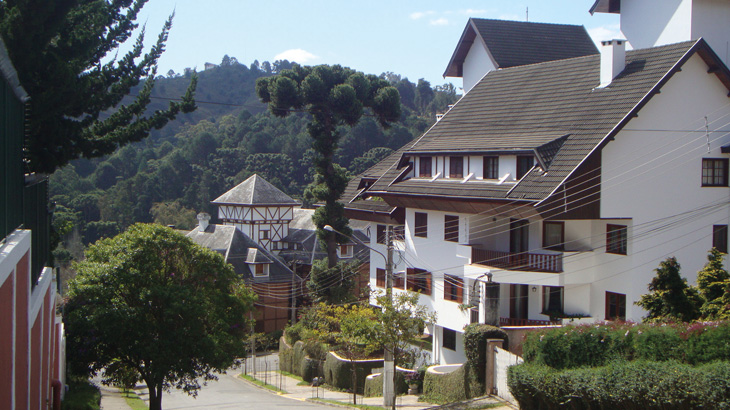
[(152, 301), (713, 283), (670, 298), (60, 50), (332, 285), (334, 96)]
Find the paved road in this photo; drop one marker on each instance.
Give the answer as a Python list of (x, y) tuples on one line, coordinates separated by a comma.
[(232, 393)]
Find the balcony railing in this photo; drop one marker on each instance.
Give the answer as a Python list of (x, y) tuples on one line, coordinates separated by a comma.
[(508, 321), (523, 261)]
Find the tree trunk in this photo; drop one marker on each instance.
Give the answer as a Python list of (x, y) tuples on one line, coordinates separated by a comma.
[(354, 382), (331, 250), (155, 397)]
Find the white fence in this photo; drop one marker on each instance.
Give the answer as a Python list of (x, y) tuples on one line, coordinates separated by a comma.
[(504, 359)]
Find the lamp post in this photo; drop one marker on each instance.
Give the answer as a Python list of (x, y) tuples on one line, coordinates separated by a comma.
[(389, 363)]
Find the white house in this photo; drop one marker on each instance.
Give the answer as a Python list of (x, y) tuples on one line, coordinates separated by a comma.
[(567, 181)]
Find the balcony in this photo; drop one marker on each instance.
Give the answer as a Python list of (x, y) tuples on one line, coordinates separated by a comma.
[(508, 321), (522, 261)]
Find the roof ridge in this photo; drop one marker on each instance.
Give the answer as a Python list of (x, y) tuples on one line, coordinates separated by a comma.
[(527, 22)]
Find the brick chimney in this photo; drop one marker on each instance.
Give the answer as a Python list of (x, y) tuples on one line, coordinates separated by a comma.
[(613, 60)]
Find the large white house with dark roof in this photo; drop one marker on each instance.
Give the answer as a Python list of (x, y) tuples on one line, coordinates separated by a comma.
[(556, 188)]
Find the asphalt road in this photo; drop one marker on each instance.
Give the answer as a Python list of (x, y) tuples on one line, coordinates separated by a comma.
[(230, 392)]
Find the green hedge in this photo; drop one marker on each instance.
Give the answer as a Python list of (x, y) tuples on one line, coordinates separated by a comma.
[(459, 385), (475, 345), (295, 360), (338, 371), (374, 385), (597, 345), (638, 385), (81, 395)]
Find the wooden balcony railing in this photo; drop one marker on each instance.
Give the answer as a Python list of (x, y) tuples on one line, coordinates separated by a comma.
[(508, 321), (524, 261)]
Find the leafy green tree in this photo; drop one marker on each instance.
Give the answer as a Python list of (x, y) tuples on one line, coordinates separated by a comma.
[(172, 213), (669, 297), (59, 50), (332, 285), (152, 301), (713, 283), (368, 159), (333, 96)]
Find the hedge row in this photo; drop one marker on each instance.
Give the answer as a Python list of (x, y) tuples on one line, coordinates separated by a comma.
[(475, 345), (295, 360), (459, 385), (638, 385), (597, 345), (338, 371), (374, 385)]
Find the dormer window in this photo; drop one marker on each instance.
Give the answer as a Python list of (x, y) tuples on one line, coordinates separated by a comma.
[(345, 251), (491, 167), (261, 270), (456, 167), (424, 167), (524, 164)]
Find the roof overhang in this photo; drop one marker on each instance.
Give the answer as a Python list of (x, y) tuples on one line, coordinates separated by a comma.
[(455, 68), (606, 6), (466, 205)]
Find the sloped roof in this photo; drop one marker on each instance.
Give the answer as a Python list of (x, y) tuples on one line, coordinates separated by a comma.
[(532, 105), (255, 191), (606, 6), (516, 43)]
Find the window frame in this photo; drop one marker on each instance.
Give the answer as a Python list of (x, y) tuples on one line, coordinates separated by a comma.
[(420, 228), (521, 170), (264, 270), (380, 277), (709, 177), (381, 234), (451, 228), (349, 250), (456, 171), (616, 300), (720, 238), (491, 172), (448, 338), (617, 239), (425, 167), (421, 283), (560, 246), (453, 288), (548, 292)]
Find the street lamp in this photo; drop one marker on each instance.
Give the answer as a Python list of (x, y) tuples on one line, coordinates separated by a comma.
[(388, 362)]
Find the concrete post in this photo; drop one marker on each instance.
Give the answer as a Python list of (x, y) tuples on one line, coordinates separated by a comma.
[(490, 384)]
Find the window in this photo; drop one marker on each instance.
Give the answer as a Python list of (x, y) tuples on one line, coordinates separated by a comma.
[(424, 168), (491, 168), (553, 235), (524, 164), (421, 228), (261, 269), (473, 316), (380, 232), (449, 339), (264, 235), (345, 251), (456, 167), (616, 239), (552, 299), (719, 238), (714, 172), (380, 277), (398, 281), (451, 228), (453, 289), (418, 280), (615, 306)]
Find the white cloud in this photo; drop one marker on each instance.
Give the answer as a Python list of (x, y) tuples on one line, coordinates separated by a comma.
[(607, 32), (296, 54), (439, 22), (421, 14)]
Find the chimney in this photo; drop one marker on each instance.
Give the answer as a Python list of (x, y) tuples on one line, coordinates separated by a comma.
[(203, 219), (613, 60)]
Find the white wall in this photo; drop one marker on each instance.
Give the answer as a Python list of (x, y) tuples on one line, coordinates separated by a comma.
[(476, 64), (649, 23), (651, 173), (710, 20)]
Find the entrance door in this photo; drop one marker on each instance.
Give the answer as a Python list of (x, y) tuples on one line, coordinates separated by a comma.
[(519, 240), (518, 301)]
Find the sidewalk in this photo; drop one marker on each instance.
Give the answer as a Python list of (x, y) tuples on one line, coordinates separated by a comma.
[(112, 399)]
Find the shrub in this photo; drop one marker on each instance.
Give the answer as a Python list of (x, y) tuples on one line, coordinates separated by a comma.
[(638, 385), (459, 385), (475, 345), (293, 333), (338, 371), (707, 342), (82, 395), (658, 343), (374, 385)]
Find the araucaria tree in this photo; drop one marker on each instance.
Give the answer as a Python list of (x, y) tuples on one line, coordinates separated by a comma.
[(62, 52), (670, 298), (152, 302), (334, 96)]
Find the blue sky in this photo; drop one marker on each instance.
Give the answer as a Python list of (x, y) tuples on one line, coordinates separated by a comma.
[(411, 38)]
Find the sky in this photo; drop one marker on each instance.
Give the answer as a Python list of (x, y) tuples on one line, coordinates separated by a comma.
[(412, 38)]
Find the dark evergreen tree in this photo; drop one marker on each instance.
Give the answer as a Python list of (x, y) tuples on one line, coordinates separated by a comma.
[(713, 282), (670, 298), (58, 49)]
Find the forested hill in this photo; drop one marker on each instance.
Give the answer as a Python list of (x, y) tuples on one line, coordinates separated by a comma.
[(175, 173)]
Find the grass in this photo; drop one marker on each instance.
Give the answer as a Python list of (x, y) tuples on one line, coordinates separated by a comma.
[(262, 384), (82, 395), (134, 401), (340, 403), (302, 382)]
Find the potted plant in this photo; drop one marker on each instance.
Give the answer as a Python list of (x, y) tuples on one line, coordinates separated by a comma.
[(414, 381)]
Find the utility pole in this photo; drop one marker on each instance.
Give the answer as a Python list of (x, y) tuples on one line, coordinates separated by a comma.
[(388, 363), (293, 296)]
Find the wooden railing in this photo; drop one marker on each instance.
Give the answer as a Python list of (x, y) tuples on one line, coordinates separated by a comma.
[(508, 321), (524, 261)]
